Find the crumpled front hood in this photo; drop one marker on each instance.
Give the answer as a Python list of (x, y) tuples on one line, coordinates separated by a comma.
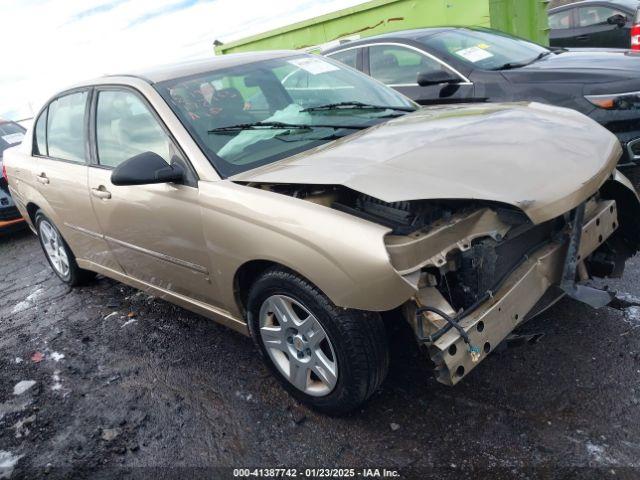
[(544, 160)]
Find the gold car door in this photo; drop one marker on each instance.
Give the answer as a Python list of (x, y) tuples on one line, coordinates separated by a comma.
[(155, 231), (60, 168)]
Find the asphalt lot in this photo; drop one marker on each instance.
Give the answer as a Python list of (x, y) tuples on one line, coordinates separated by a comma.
[(127, 382)]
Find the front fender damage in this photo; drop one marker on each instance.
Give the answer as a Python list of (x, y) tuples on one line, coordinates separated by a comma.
[(468, 304)]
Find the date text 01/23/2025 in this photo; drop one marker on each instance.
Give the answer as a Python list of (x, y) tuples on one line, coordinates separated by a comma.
[(316, 473)]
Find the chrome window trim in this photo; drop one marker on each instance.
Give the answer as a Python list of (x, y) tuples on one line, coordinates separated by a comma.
[(45, 110), (410, 47)]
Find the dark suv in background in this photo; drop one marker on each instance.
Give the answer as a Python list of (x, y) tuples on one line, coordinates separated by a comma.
[(596, 24), (11, 134)]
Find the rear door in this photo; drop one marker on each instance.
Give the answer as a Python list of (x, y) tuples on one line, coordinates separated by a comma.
[(154, 230), (594, 30), (60, 169), (398, 66)]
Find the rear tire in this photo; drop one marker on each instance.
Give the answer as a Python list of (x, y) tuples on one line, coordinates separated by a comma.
[(58, 254), (329, 358)]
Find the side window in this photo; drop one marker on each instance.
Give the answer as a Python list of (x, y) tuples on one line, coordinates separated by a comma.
[(348, 57), (560, 20), (125, 127), (40, 143), (394, 65), (589, 16), (65, 127)]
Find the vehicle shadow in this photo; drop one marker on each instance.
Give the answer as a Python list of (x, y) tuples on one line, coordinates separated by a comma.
[(14, 234)]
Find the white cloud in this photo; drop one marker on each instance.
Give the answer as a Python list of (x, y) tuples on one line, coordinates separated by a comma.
[(48, 44)]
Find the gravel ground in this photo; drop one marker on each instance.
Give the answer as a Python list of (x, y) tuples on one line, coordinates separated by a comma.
[(118, 384)]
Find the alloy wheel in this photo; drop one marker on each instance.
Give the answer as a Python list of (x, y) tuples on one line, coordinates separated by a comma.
[(54, 248), (298, 345)]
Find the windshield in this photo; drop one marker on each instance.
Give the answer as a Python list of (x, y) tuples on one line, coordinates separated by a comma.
[(484, 49), (250, 115), (10, 134)]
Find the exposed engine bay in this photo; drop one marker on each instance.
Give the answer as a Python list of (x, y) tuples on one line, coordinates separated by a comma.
[(482, 268)]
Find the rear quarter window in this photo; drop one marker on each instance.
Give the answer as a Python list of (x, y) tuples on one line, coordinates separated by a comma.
[(40, 140)]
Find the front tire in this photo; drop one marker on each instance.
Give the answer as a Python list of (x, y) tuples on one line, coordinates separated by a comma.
[(59, 255), (329, 358)]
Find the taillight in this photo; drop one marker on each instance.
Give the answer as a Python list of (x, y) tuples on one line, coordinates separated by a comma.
[(4, 173), (635, 37)]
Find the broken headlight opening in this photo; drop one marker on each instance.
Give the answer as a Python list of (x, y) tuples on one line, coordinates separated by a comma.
[(616, 101), (478, 300)]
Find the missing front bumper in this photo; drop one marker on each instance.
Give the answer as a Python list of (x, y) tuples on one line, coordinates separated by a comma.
[(513, 303)]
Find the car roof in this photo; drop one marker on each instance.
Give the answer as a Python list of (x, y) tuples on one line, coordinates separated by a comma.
[(414, 34), (628, 4), (194, 67)]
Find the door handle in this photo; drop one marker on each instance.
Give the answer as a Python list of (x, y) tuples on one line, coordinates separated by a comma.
[(42, 178), (100, 192), (582, 37)]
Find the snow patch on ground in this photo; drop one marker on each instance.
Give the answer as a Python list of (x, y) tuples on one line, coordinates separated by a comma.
[(627, 297), (57, 382), (56, 357), (7, 462), (128, 322), (27, 302), (632, 316), (22, 386)]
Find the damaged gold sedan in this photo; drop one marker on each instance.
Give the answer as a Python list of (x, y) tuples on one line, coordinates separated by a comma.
[(295, 200)]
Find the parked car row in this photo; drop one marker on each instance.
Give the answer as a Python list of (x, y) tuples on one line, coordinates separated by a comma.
[(297, 200), (453, 65)]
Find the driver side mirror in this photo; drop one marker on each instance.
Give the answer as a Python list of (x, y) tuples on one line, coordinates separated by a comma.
[(146, 168), (617, 19), (439, 77)]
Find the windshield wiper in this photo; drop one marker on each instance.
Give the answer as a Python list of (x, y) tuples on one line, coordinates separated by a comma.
[(512, 65), (356, 106), (280, 126)]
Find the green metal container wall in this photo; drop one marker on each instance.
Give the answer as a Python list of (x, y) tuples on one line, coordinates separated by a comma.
[(524, 18)]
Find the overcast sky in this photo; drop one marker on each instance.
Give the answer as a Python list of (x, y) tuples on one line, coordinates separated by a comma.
[(48, 44)]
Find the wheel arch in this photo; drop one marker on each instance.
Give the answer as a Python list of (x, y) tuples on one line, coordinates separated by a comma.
[(32, 209), (247, 273), (620, 189)]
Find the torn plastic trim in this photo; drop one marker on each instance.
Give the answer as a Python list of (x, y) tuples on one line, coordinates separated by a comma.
[(490, 323), (431, 246)]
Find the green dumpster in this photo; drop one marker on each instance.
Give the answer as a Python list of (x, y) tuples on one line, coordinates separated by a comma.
[(523, 18)]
